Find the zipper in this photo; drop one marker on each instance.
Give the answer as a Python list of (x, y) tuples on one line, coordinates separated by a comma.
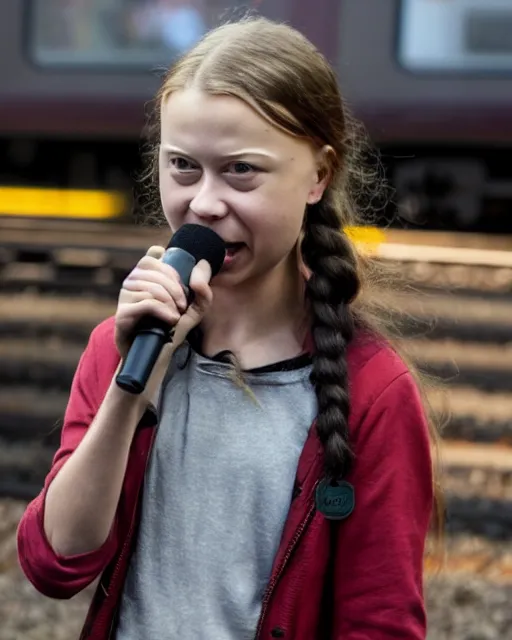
[(272, 584), (122, 555), (128, 539)]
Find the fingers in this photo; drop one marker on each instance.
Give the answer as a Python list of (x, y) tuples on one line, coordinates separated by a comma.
[(200, 283), (154, 289), (163, 284), (130, 312)]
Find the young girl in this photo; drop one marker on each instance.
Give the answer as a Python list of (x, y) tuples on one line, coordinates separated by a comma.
[(275, 479)]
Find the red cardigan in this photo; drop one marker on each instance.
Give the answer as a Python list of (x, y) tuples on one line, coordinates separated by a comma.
[(357, 579)]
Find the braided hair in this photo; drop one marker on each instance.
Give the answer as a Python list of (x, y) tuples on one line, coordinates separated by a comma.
[(279, 73), (333, 284)]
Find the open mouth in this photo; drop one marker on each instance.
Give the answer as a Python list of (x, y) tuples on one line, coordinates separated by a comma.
[(233, 248)]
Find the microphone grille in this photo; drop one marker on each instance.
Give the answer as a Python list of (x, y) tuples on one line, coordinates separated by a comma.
[(202, 243)]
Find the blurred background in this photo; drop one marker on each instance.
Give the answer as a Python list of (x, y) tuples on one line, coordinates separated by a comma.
[(432, 82)]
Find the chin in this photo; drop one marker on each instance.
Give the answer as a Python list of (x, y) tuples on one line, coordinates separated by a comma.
[(227, 278)]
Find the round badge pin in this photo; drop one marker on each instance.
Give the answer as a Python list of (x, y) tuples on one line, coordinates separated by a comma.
[(335, 501)]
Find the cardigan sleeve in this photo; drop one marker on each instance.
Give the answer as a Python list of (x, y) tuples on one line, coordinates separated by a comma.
[(50, 573)]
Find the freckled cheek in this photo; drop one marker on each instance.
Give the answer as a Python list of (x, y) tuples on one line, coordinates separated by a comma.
[(175, 199)]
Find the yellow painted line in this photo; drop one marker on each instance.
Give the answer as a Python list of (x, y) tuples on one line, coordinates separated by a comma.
[(370, 236), (61, 203)]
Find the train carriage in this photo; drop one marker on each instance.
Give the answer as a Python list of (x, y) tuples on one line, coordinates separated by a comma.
[(431, 79)]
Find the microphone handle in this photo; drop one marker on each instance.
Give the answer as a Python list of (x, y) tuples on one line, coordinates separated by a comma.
[(151, 333)]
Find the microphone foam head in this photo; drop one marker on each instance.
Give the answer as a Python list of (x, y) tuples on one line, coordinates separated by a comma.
[(202, 243)]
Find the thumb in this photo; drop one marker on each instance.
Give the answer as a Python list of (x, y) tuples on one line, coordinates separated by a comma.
[(155, 252), (200, 285), (200, 279)]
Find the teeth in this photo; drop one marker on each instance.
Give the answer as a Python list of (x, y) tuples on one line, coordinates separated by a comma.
[(231, 249)]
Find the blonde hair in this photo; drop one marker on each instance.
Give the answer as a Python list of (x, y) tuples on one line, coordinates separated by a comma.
[(276, 70)]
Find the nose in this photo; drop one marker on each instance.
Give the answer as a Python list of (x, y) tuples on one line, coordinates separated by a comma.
[(207, 202)]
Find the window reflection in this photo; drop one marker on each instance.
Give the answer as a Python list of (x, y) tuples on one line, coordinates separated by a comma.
[(452, 35), (120, 32)]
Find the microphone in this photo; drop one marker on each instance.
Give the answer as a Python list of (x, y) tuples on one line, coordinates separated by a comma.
[(190, 244)]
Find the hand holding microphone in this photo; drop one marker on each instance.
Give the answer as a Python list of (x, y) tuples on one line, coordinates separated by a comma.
[(152, 302), (155, 302)]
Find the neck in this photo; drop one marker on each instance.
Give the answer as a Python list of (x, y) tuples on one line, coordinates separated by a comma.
[(262, 321)]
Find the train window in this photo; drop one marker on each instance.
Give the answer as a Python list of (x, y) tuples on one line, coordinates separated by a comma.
[(126, 33), (455, 35)]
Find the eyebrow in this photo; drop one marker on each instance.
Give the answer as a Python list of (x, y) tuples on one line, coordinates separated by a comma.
[(233, 154)]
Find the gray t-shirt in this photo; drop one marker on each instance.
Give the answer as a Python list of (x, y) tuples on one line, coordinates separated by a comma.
[(217, 493)]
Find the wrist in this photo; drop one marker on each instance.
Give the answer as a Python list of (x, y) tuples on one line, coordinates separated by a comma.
[(125, 403)]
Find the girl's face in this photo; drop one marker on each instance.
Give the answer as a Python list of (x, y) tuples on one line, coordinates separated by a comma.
[(226, 167)]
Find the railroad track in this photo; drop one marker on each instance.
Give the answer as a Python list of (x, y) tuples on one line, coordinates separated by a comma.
[(59, 280), (58, 256)]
